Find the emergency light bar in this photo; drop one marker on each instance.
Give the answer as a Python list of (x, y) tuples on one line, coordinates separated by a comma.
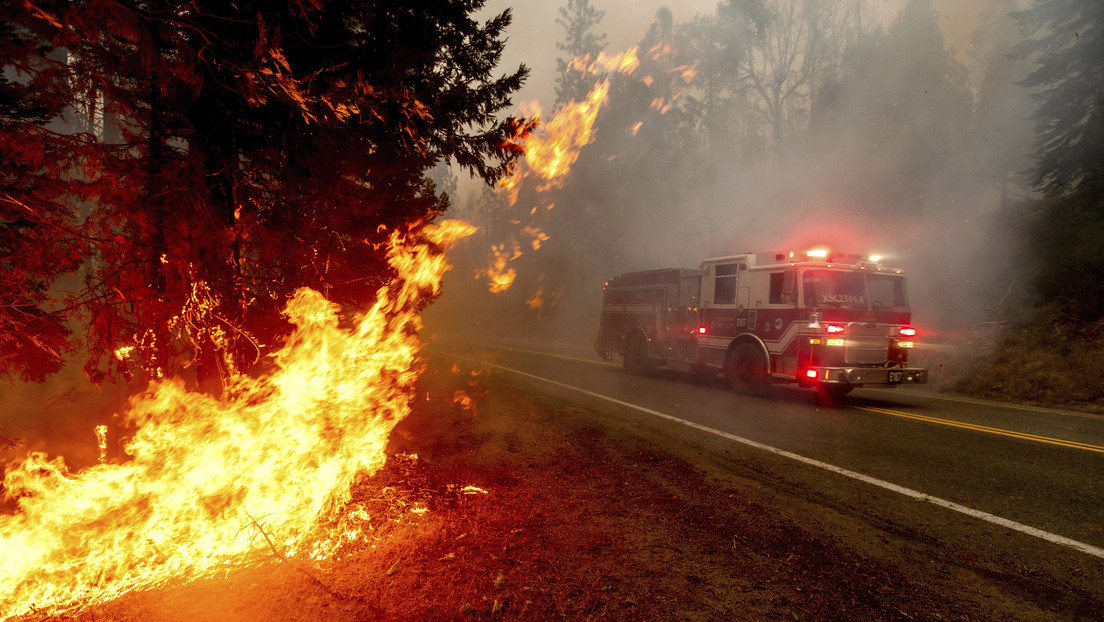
[(825, 254)]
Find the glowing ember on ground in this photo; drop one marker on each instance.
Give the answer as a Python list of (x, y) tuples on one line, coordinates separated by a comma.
[(219, 482)]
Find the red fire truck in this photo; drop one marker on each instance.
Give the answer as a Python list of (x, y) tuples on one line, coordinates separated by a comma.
[(815, 317)]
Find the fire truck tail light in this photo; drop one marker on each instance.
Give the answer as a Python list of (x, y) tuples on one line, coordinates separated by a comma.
[(834, 328), (906, 331)]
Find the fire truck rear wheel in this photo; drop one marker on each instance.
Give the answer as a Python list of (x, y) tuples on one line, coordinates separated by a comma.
[(746, 369), (636, 356)]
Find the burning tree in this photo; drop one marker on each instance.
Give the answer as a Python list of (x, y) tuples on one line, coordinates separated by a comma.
[(201, 161), (215, 186)]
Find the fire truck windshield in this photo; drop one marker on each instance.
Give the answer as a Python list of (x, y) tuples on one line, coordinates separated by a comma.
[(847, 289)]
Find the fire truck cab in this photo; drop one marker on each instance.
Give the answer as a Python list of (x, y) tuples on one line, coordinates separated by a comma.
[(818, 318)]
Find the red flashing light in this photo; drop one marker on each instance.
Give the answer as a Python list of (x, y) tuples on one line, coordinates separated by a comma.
[(834, 328), (906, 331), (811, 373), (701, 330)]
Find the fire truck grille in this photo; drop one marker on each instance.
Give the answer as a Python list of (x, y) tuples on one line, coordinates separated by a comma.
[(867, 344)]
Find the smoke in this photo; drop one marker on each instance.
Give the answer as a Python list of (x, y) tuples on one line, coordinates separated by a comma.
[(899, 129)]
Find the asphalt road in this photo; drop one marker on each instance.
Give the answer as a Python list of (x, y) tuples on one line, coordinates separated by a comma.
[(1035, 474)]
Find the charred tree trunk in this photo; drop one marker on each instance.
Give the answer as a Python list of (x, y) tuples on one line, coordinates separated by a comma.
[(219, 349)]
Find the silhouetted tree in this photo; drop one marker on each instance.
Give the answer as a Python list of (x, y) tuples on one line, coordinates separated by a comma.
[(716, 44), (1066, 39), (898, 121), (233, 153), (578, 19), (1002, 104), (793, 49)]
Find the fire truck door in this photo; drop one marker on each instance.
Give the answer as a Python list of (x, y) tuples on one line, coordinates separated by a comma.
[(743, 300), (687, 317)]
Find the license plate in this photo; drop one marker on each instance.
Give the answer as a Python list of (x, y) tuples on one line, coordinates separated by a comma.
[(895, 377)]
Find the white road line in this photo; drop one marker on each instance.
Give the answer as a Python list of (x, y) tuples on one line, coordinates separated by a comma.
[(908, 492)]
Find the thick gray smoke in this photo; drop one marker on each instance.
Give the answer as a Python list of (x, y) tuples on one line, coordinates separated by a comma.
[(894, 127)]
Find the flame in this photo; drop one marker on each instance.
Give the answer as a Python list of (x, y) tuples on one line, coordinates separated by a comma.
[(536, 301), (551, 149), (548, 154), (499, 273), (625, 63), (571, 129), (462, 399), (208, 476), (101, 442), (539, 237)]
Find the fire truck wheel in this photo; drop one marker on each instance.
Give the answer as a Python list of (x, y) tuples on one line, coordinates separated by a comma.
[(746, 369), (636, 356)]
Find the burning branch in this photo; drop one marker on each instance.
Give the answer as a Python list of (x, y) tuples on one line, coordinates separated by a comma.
[(302, 568)]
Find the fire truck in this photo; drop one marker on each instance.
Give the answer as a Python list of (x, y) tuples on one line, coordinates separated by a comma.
[(813, 317)]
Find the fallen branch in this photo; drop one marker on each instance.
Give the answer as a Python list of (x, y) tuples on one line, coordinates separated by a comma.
[(306, 570)]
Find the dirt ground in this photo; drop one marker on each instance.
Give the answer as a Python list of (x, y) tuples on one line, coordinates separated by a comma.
[(525, 507)]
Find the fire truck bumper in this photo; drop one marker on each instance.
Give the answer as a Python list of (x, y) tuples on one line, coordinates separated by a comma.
[(871, 375)]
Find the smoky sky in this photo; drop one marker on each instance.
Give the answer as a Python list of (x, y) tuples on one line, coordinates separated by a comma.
[(905, 184), (532, 37)]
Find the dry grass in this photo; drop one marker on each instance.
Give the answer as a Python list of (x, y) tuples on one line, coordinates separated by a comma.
[(1050, 362)]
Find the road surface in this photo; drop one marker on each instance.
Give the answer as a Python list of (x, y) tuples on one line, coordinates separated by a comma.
[(1013, 476)]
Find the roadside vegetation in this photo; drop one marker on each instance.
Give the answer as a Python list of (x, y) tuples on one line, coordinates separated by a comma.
[(1052, 360), (1056, 357)]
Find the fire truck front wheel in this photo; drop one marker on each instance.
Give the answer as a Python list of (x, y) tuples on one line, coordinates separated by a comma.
[(746, 369)]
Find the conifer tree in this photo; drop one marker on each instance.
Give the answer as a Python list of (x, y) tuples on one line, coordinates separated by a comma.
[(578, 19), (225, 155), (1066, 39)]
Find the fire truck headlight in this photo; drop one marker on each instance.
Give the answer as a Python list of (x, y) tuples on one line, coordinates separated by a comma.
[(835, 342), (905, 344)]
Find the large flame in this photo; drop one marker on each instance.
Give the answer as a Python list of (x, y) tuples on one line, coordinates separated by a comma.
[(212, 482), (552, 148)]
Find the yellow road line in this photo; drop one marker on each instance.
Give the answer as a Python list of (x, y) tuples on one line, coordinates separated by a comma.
[(986, 429)]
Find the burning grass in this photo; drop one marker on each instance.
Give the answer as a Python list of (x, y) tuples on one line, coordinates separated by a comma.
[(215, 482)]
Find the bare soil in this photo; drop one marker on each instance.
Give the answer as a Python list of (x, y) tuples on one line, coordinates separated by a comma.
[(576, 516)]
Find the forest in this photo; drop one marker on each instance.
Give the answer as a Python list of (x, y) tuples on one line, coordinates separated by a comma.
[(173, 171), (977, 170)]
